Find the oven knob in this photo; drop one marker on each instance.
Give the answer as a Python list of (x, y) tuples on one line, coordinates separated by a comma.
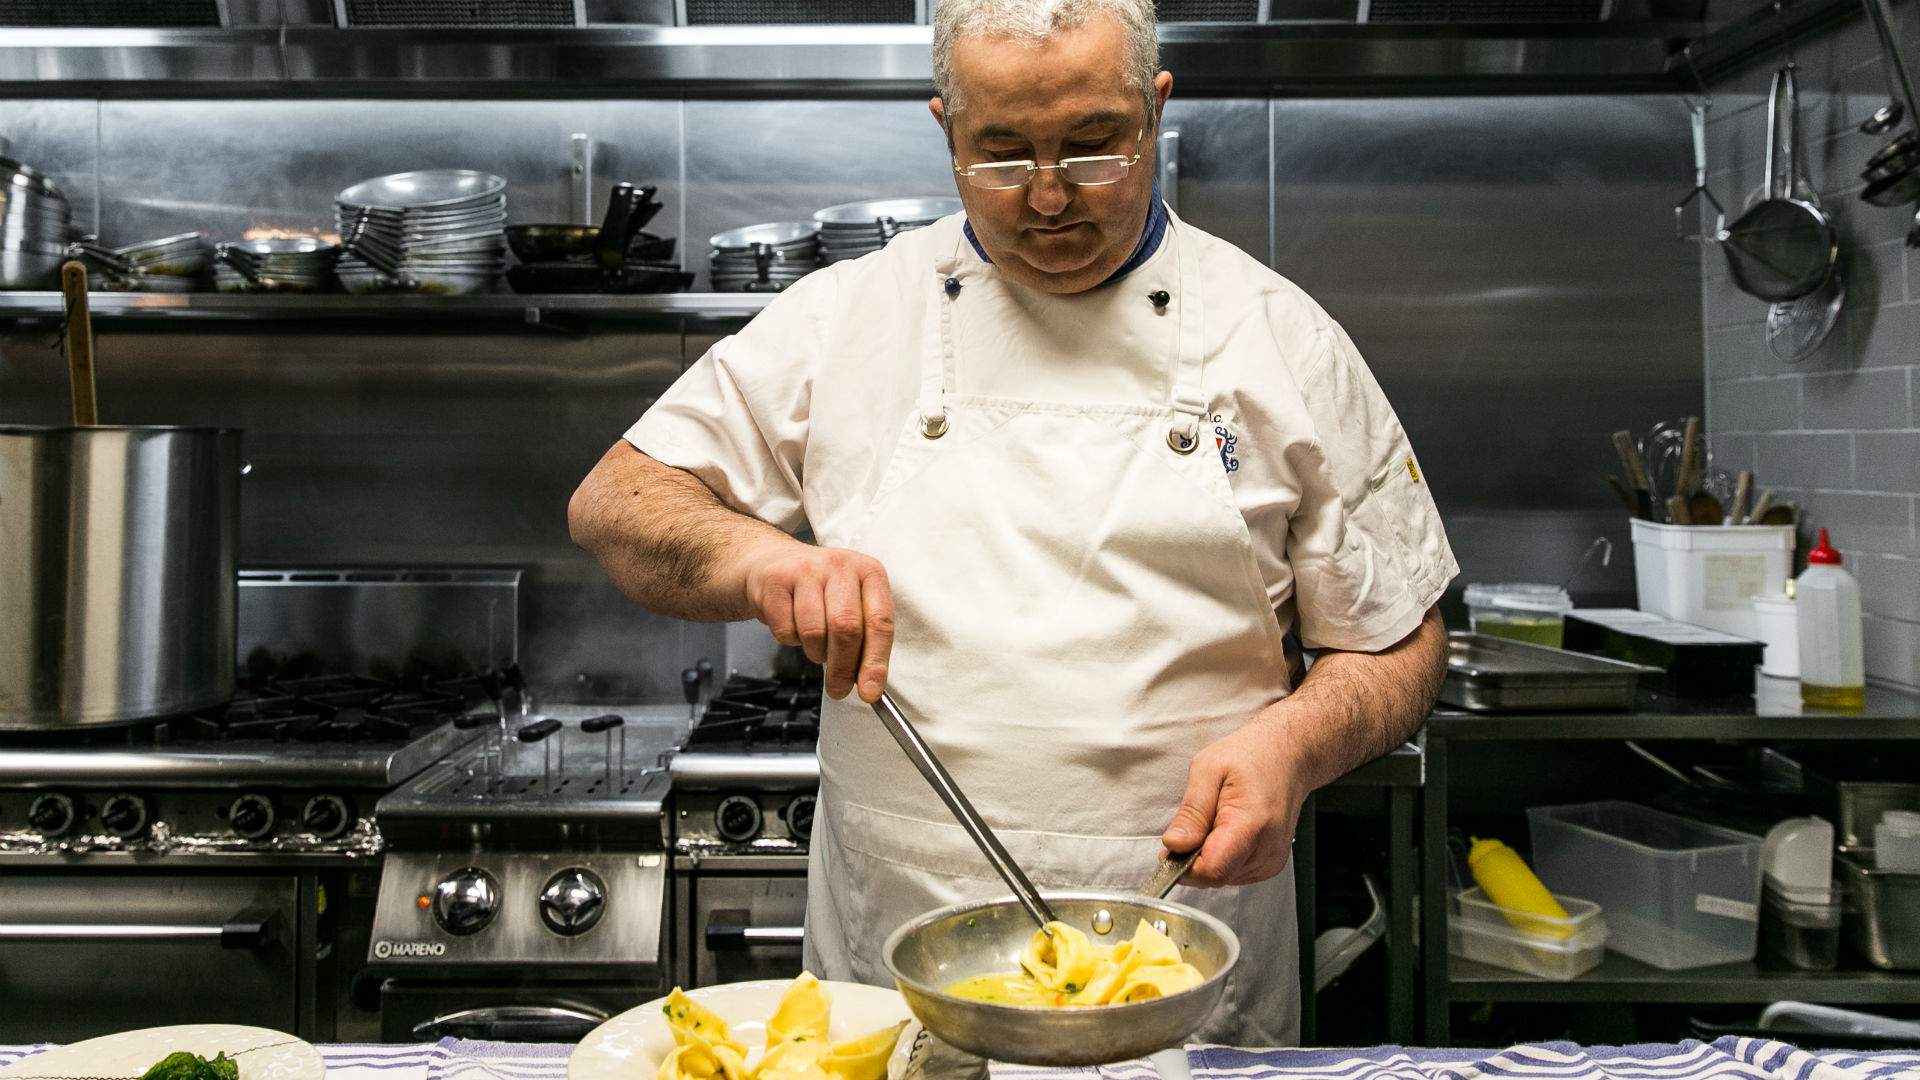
[(737, 818), (798, 815), (124, 815), (466, 900), (52, 814), (573, 901), (251, 816), (326, 816)]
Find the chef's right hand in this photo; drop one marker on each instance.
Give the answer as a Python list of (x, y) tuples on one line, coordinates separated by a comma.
[(834, 604)]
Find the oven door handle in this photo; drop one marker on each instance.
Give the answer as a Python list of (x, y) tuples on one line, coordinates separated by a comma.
[(732, 929), (512, 1023), (247, 930)]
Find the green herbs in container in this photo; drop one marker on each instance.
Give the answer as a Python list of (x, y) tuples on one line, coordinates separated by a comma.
[(1532, 613)]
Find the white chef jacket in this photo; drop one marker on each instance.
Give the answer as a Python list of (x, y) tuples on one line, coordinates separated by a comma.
[(1344, 528)]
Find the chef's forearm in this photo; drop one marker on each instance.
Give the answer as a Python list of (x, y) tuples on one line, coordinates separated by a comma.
[(1354, 706), (665, 538)]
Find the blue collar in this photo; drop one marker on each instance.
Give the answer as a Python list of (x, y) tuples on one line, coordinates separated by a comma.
[(1150, 237)]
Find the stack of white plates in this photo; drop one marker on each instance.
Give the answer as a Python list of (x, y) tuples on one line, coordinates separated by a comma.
[(35, 225), (762, 258), (851, 230), (298, 264), (433, 231)]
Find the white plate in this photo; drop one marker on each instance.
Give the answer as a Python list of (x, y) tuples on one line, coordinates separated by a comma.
[(262, 1054), (631, 1045)]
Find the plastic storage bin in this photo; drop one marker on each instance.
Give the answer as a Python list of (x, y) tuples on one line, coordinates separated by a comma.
[(1544, 947), (1678, 893), (1708, 575)]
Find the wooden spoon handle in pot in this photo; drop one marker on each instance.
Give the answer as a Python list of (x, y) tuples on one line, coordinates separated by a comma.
[(79, 339)]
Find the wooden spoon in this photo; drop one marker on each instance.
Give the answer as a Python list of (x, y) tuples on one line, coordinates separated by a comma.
[(1702, 508), (79, 339), (1738, 514)]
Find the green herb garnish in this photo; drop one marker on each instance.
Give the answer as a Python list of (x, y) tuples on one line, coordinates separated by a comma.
[(189, 1066)]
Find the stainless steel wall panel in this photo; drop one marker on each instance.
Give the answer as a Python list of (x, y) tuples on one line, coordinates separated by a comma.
[(1223, 166), (58, 137), (387, 447), (227, 166), (1507, 267), (753, 161)]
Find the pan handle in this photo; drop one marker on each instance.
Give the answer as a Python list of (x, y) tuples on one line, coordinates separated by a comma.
[(1882, 18), (1782, 106)]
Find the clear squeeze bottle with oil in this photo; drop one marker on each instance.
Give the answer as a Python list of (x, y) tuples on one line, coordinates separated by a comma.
[(1832, 663)]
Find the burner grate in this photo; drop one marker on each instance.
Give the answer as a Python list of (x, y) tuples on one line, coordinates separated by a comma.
[(759, 714)]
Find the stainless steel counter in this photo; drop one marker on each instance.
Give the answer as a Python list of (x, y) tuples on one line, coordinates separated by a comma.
[(1888, 714)]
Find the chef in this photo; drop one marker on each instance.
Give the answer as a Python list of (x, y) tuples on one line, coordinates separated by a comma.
[(1073, 470)]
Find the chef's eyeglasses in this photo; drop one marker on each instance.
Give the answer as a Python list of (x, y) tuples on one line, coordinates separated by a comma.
[(1096, 171)]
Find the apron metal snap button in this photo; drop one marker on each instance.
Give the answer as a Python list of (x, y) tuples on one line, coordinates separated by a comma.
[(1160, 298), (1181, 442), (952, 286), (933, 427)]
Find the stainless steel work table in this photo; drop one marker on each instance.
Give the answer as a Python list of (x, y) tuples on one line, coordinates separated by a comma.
[(1460, 741)]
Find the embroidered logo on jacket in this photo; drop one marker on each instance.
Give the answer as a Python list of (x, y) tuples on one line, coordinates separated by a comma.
[(1225, 442)]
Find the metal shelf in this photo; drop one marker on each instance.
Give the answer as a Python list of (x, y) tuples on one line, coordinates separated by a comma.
[(1544, 57), (426, 311), (1619, 979)]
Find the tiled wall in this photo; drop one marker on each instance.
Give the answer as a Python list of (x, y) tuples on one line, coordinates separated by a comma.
[(1838, 432)]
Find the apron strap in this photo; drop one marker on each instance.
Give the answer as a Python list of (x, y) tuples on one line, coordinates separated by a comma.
[(1186, 399)]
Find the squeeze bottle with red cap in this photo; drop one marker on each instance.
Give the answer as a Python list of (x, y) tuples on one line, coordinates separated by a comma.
[(1832, 663)]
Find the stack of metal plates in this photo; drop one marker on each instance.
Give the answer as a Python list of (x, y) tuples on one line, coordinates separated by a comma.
[(432, 231), (762, 258), (35, 225), (172, 264), (299, 264), (851, 230)]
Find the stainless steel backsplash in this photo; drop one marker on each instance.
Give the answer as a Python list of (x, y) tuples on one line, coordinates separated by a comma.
[(1505, 263)]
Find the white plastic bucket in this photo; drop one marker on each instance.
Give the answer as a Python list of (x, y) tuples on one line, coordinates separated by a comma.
[(1707, 575)]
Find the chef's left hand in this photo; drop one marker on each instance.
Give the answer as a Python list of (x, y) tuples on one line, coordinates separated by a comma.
[(1242, 800)]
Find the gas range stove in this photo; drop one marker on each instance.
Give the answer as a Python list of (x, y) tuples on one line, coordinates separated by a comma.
[(745, 779), (288, 767), (541, 844)]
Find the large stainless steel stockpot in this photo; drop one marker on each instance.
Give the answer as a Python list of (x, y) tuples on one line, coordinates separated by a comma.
[(117, 572)]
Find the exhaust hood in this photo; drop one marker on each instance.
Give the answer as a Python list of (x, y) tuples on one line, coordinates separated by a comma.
[(874, 47)]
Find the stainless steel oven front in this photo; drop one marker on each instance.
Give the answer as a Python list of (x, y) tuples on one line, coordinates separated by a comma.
[(86, 953), (742, 917)]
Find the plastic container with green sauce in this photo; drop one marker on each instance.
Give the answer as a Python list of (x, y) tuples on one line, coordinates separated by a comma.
[(1532, 613)]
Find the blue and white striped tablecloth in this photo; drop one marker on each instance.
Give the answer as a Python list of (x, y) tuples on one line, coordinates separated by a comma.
[(1724, 1059)]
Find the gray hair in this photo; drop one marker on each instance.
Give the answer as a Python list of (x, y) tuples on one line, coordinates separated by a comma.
[(1035, 21)]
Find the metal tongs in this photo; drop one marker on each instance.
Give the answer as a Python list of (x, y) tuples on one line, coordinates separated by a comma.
[(1158, 886)]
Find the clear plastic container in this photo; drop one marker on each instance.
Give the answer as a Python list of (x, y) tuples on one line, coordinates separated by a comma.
[(1896, 842), (1531, 613), (1678, 893), (1801, 934), (1484, 931)]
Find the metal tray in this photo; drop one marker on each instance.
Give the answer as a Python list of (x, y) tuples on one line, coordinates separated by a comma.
[(1494, 674)]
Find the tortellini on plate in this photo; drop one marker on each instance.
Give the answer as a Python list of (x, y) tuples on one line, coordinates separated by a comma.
[(798, 1047)]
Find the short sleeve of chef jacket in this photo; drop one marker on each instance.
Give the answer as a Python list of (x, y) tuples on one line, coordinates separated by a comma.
[(737, 418), (1368, 553)]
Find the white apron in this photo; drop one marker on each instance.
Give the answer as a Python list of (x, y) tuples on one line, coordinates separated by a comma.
[(1078, 612)]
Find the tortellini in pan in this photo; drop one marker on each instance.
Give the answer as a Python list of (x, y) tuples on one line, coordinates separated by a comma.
[(1065, 969), (797, 1044)]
